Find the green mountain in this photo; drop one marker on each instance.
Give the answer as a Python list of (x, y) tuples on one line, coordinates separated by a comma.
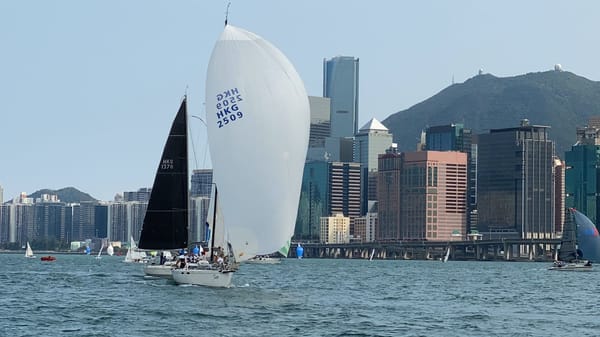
[(67, 194), (559, 99)]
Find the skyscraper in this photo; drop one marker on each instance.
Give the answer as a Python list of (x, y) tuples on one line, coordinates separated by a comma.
[(422, 196), (345, 191), (515, 182), (314, 200), (371, 140), (201, 185), (582, 177), (319, 127), (141, 195), (340, 84), (455, 137)]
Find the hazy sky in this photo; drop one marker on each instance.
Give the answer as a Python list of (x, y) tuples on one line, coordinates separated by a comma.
[(88, 89)]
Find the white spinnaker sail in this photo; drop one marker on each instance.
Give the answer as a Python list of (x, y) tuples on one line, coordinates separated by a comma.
[(258, 122)]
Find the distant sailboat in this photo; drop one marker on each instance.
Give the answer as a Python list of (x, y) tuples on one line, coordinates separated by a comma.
[(299, 251), (445, 257), (133, 254), (110, 250), (570, 255), (372, 254), (29, 252)]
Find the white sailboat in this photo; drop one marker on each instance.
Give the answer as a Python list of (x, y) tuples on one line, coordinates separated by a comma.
[(29, 252), (258, 122), (445, 257), (264, 259), (110, 250), (217, 272), (134, 254)]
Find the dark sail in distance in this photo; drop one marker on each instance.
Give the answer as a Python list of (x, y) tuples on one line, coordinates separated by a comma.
[(166, 220)]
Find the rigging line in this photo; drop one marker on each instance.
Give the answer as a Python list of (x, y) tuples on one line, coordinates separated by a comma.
[(205, 149), (189, 127)]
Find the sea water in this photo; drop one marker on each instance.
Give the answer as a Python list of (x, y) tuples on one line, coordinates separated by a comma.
[(79, 295)]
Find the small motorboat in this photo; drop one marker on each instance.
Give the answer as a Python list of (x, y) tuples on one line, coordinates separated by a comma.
[(48, 258)]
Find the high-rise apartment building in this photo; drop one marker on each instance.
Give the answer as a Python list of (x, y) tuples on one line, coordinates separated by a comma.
[(1, 195), (125, 220), (141, 195), (199, 211), (101, 220), (83, 221), (515, 183), (48, 220), (340, 84), (4, 222), (201, 185)]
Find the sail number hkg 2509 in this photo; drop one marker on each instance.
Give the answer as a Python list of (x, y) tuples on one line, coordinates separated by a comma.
[(228, 110)]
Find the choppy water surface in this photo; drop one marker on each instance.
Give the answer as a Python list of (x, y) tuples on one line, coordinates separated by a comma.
[(82, 296)]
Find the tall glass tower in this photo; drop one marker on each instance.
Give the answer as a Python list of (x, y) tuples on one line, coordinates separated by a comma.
[(340, 84), (582, 177), (515, 182)]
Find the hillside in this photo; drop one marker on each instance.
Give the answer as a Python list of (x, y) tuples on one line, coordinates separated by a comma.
[(559, 99), (67, 194)]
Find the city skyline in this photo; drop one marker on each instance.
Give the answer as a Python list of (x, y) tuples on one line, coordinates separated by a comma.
[(88, 88)]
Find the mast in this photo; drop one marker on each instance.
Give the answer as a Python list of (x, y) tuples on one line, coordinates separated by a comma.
[(227, 13), (187, 173), (212, 245)]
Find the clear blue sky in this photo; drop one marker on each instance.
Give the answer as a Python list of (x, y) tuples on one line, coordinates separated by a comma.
[(88, 89)]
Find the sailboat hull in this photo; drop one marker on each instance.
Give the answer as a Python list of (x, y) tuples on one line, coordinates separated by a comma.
[(579, 266), (264, 260), (158, 270), (202, 277)]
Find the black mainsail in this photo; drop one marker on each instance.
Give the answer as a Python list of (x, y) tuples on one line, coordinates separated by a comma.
[(568, 245), (166, 220)]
